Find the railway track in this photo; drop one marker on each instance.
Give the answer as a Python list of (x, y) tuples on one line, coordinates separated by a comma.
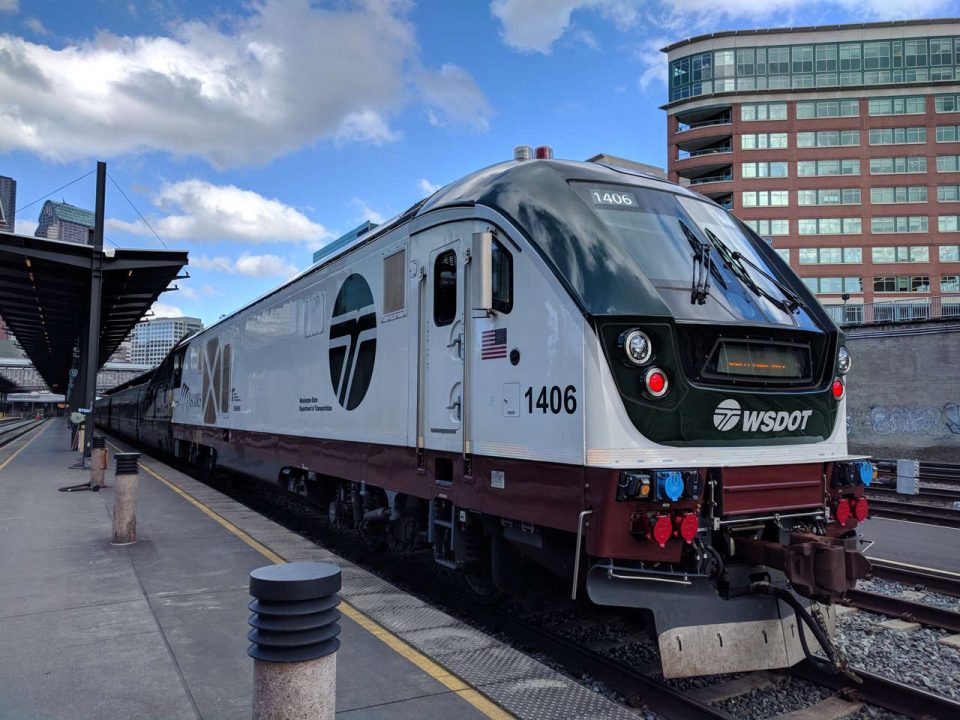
[(903, 609), (12, 428), (638, 685), (915, 512), (943, 582)]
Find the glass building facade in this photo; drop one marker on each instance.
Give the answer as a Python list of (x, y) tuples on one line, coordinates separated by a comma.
[(840, 145), (152, 339)]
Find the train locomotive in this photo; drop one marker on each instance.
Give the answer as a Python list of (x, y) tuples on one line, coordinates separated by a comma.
[(555, 365)]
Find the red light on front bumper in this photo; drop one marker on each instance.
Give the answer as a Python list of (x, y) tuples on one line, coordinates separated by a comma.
[(662, 530), (861, 509), (688, 527), (838, 388), (842, 513)]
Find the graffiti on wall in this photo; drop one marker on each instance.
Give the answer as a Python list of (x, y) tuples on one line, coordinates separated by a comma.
[(921, 421)]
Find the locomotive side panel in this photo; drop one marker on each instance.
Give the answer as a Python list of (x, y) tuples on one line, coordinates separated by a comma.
[(306, 363)]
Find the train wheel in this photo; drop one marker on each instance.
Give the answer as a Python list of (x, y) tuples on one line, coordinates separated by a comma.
[(482, 588)]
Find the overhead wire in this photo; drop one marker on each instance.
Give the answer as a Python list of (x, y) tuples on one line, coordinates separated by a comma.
[(62, 187), (139, 214)]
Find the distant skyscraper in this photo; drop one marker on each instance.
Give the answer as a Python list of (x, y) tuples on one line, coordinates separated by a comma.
[(8, 203), (152, 339), (60, 221)]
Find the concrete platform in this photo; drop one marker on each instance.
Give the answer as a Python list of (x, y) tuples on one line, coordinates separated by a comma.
[(157, 629)]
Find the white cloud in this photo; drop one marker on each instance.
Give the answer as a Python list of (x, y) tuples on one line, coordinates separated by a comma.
[(243, 89), (189, 293), (258, 266), (454, 98), (34, 25), (201, 211), (428, 187), (163, 310), (9, 5), (367, 213), (26, 227), (535, 25)]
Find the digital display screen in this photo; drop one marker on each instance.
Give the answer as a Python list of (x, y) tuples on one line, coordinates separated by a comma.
[(613, 198), (758, 360)]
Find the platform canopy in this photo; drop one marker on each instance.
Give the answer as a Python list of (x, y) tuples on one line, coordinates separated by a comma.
[(45, 296)]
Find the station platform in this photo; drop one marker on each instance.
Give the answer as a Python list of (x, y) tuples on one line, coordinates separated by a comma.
[(158, 629)]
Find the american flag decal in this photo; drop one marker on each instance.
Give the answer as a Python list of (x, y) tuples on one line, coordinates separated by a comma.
[(493, 344)]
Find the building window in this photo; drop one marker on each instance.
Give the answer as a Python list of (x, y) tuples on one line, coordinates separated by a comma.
[(830, 256), (902, 284), (950, 283), (900, 254), (833, 196), (899, 224), (765, 198), (898, 136), (941, 51), (948, 223), (763, 141), (769, 228), (948, 193), (834, 285), (946, 103), (898, 165), (827, 109), (784, 253), (828, 138), (897, 106), (950, 253), (829, 226), (902, 194), (764, 169), (821, 168), (947, 133), (763, 111), (947, 163), (914, 53)]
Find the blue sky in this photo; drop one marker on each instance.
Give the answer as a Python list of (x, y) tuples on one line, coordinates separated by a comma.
[(252, 133)]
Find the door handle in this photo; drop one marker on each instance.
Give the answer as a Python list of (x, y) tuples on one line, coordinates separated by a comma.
[(457, 341), (455, 405)]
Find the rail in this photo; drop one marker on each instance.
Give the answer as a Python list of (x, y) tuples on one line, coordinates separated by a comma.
[(943, 582), (908, 610)]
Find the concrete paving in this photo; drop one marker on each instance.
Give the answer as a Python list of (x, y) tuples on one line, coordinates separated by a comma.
[(927, 545), (156, 629)]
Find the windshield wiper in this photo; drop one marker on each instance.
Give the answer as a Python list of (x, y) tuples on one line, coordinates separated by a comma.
[(703, 267), (738, 262)]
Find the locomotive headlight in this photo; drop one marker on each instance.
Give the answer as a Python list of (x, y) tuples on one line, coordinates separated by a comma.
[(843, 360), (637, 346)]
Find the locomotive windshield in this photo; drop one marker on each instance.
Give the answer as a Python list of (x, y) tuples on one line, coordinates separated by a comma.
[(673, 238)]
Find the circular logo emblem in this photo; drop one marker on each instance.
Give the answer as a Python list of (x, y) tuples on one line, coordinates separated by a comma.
[(727, 415), (353, 341)]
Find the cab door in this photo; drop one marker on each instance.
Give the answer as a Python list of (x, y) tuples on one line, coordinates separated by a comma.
[(443, 332)]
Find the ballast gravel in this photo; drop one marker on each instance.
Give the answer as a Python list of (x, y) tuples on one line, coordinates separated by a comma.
[(916, 658), (888, 587), (789, 695)]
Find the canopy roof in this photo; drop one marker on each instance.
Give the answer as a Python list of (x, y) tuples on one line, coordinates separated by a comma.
[(45, 296)]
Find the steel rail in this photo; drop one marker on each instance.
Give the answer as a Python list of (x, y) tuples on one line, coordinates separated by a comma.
[(926, 514), (883, 492), (902, 609), (883, 692), (943, 583), (9, 434)]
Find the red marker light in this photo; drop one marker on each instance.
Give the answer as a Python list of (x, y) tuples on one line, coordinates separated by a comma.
[(688, 527), (662, 530), (543, 152), (861, 509), (838, 388), (842, 513), (656, 382)]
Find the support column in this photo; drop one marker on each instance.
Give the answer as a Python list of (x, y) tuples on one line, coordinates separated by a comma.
[(125, 500), (91, 347)]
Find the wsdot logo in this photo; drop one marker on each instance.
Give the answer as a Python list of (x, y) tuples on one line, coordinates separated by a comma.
[(727, 415)]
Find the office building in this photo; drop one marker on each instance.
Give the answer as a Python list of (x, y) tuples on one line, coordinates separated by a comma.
[(152, 339), (61, 221), (8, 204), (840, 145)]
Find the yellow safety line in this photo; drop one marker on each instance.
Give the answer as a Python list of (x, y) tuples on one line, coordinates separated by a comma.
[(395, 643), (9, 459)]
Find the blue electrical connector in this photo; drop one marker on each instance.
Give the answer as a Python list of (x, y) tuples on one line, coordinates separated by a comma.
[(669, 484), (866, 473)]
